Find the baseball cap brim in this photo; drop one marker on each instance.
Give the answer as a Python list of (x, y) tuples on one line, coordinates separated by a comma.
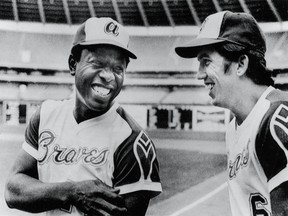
[(191, 49), (109, 42)]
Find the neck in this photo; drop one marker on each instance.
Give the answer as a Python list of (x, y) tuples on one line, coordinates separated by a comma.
[(245, 101), (83, 113)]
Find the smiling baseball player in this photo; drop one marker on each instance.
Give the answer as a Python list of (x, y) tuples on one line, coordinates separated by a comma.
[(86, 155), (231, 50)]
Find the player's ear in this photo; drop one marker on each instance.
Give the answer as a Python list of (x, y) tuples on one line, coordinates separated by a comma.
[(243, 63), (72, 64)]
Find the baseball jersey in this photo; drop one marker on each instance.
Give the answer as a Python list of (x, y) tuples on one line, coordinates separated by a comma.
[(111, 147), (257, 155)]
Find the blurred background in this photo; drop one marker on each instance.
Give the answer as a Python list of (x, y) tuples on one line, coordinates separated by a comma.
[(161, 90)]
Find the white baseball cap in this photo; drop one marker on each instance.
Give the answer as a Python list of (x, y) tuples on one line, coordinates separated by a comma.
[(103, 30), (227, 27)]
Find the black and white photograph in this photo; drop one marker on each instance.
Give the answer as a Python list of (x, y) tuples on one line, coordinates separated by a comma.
[(144, 107)]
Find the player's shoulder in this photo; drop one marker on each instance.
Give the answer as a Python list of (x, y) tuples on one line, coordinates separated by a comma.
[(55, 110), (125, 116), (277, 111), (52, 105), (55, 103), (272, 135), (278, 104), (277, 95)]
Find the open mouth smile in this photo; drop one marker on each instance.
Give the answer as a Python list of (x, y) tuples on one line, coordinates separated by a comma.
[(101, 91), (209, 86)]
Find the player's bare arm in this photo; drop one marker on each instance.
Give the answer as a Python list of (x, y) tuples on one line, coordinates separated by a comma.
[(26, 192), (137, 203), (23, 188)]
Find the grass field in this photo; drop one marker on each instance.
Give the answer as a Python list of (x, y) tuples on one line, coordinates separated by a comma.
[(179, 169)]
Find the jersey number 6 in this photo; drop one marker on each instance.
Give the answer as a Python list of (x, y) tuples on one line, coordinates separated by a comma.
[(257, 202)]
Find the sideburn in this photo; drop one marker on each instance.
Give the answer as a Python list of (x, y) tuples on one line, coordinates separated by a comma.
[(227, 65)]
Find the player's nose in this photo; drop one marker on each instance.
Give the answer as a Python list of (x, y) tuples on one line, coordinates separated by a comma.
[(106, 74), (201, 74)]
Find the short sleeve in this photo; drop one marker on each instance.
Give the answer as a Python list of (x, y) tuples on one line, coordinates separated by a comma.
[(136, 165), (30, 144), (272, 144)]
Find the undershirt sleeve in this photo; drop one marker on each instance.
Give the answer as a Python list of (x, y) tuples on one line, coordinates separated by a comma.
[(136, 165), (30, 145), (272, 144)]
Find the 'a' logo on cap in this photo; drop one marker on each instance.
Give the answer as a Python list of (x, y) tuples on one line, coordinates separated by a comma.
[(111, 28)]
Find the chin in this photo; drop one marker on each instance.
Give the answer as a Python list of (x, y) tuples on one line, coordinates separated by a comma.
[(215, 102), (98, 107), (212, 100)]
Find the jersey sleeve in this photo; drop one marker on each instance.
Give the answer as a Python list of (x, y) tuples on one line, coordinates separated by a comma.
[(136, 165), (272, 144), (30, 145)]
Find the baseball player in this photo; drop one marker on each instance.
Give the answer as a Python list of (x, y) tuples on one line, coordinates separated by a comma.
[(86, 155), (230, 48)]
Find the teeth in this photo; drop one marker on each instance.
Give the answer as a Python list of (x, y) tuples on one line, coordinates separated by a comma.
[(210, 86), (101, 91)]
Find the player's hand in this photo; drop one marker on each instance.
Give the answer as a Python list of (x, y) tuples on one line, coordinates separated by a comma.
[(93, 197)]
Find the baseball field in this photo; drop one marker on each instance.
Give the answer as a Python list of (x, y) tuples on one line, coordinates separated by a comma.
[(192, 175)]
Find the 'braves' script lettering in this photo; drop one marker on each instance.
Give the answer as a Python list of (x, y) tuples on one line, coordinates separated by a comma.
[(59, 155), (240, 161)]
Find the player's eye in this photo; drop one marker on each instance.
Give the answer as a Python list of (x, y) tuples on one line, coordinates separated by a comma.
[(94, 64), (118, 69), (205, 62)]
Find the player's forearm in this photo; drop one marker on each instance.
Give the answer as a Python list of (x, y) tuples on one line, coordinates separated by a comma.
[(136, 203), (29, 194)]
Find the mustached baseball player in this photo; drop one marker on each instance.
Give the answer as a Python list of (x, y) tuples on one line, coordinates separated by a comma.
[(86, 155), (231, 51)]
